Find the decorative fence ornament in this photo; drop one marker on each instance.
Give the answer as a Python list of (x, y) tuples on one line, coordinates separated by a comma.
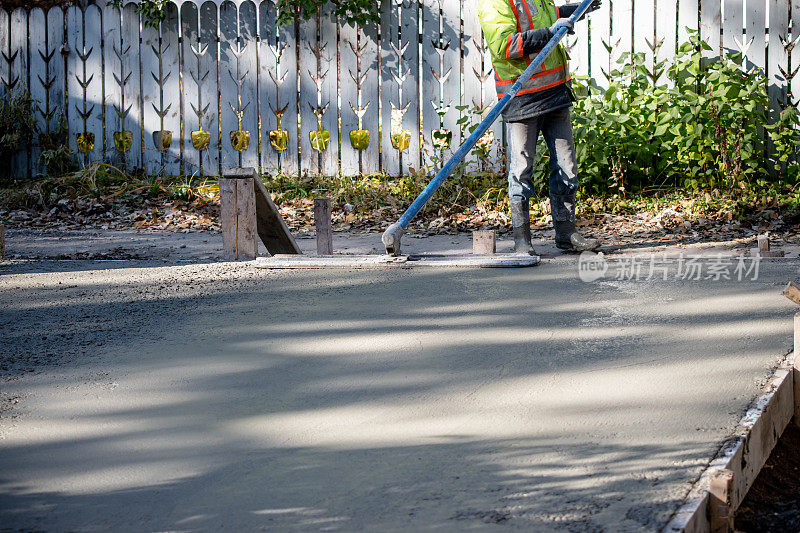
[(85, 141), (201, 139), (319, 138), (359, 138), (279, 138), (162, 140), (401, 139), (123, 140), (240, 139)]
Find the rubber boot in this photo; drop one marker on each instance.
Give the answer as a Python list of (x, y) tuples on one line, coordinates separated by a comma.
[(570, 240), (521, 227)]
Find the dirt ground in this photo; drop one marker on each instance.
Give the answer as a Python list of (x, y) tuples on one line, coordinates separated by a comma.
[(147, 385)]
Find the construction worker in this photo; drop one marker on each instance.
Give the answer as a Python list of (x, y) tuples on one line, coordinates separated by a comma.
[(517, 30)]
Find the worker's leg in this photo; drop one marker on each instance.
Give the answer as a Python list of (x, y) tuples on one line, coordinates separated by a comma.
[(522, 137), (557, 131)]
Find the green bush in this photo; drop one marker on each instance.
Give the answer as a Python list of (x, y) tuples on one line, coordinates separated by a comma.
[(17, 126), (694, 123), (352, 11)]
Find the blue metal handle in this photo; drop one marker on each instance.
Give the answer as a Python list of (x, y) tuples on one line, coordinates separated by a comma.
[(462, 152)]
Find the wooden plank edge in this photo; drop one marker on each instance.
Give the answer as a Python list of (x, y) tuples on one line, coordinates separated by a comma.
[(745, 452)]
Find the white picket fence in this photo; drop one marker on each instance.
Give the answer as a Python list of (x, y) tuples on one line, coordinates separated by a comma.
[(218, 67)]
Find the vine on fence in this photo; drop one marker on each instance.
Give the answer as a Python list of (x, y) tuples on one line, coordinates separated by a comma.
[(353, 12)]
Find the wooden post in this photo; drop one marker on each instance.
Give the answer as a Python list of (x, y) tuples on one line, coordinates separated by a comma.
[(322, 221), (763, 242), (238, 217), (484, 242), (797, 369), (719, 501), (2, 241)]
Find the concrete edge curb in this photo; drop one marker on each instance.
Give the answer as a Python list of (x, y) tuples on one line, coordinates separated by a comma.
[(745, 452)]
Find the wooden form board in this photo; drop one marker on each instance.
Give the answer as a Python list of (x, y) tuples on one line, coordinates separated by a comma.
[(194, 76), (238, 218), (269, 224)]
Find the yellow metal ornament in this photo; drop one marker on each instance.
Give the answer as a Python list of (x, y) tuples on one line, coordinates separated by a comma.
[(401, 139), (162, 139), (359, 138), (240, 139), (123, 140), (279, 138), (201, 139), (319, 138), (85, 141)]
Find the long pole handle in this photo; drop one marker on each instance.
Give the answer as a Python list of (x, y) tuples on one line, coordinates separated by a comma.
[(486, 123)]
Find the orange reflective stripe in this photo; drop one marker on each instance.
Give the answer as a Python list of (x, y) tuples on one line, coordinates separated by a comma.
[(516, 13), (499, 81)]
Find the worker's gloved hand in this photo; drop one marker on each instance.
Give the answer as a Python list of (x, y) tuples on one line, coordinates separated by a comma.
[(597, 4), (562, 23)]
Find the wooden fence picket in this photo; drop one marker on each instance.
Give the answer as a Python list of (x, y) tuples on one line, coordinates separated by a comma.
[(794, 67), (599, 59), (778, 55), (644, 38), (733, 24), (211, 59), (131, 77), (353, 105), (171, 92), (666, 32), (710, 25), (190, 80), (756, 35), (688, 19), (19, 76)]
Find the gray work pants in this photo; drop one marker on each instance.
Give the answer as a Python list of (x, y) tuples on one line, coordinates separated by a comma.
[(522, 137)]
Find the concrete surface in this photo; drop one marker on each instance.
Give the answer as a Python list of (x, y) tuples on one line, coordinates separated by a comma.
[(153, 395)]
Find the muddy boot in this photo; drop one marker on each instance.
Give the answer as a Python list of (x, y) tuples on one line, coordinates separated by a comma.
[(570, 240), (521, 227)]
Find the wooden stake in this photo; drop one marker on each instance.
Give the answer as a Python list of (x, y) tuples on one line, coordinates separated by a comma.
[(719, 504), (322, 221), (484, 242), (792, 291), (797, 369), (763, 242), (238, 218)]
